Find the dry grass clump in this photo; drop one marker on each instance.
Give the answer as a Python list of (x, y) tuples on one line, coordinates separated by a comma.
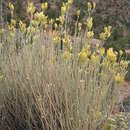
[(42, 91), (51, 82)]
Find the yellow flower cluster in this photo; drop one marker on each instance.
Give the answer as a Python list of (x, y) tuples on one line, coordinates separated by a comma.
[(67, 42), (107, 31), (64, 9), (30, 8), (79, 26), (124, 64), (41, 19), (61, 19), (22, 26), (51, 21), (102, 51), (11, 7), (121, 52), (97, 46), (95, 58), (90, 6), (44, 6), (57, 40), (39, 16), (102, 36), (78, 13), (111, 56), (90, 34), (106, 34), (83, 55), (13, 22), (89, 23), (12, 25), (119, 78), (68, 4)]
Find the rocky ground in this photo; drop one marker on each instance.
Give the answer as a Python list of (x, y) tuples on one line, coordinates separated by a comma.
[(125, 99)]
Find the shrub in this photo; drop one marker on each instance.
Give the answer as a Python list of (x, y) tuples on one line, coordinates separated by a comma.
[(53, 81)]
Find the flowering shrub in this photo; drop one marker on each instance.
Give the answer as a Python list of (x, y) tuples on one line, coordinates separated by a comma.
[(52, 80)]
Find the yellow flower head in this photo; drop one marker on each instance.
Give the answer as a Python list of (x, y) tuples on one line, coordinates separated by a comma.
[(90, 23), (22, 26), (119, 79), (124, 64), (44, 6), (78, 13), (121, 52), (55, 25), (51, 21), (94, 5), (63, 9), (79, 26), (97, 46), (67, 42), (106, 34), (30, 8), (57, 40), (83, 55), (102, 36), (44, 24), (111, 56), (39, 16), (70, 2), (11, 7), (107, 31), (12, 25), (90, 34), (9, 27), (94, 58), (13, 22), (60, 19), (88, 50), (89, 6), (102, 51)]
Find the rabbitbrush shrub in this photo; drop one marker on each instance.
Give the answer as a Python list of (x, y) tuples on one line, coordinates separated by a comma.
[(53, 81)]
